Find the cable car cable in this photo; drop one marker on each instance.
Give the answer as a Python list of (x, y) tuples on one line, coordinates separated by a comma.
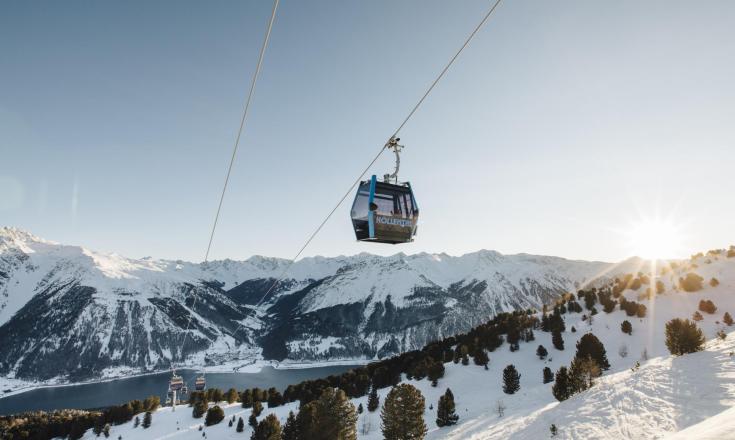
[(372, 162), (235, 148)]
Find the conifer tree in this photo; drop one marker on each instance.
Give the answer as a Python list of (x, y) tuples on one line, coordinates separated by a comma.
[(199, 409), (307, 425), (683, 336), (335, 415), (214, 415), (246, 398), (373, 400), (589, 345), (359, 409), (240, 425), (481, 358), (231, 395), (727, 319), (147, 419), (403, 414), (445, 410), (548, 375), (541, 352), (290, 428), (253, 420), (268, 429), (557, 340), (511, 380), (582, 374), (135, 424), (257, 408), (561, 388), (626, 327)]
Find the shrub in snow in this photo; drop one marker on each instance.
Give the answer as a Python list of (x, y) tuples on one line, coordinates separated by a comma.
[(727, 319), (548, 375), (691, 283), (697, 316), (707, 306), (626, 327), (541, 352), (714, 282)]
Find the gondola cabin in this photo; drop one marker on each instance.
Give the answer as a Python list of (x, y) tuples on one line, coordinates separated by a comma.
[(176, 383), (384, 212), (200, 383)]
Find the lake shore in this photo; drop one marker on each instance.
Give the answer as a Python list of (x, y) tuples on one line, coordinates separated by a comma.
[(12, 387)]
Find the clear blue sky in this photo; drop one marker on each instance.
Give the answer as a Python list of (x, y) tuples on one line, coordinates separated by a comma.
[(561, 124)]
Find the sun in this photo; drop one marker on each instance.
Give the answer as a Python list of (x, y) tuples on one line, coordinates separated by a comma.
[(655, 239)]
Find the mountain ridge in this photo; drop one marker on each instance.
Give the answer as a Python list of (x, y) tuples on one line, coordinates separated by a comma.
[(73, 313)]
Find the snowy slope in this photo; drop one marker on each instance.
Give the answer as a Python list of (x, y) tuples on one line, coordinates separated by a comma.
[(693, 395), (68, 313)]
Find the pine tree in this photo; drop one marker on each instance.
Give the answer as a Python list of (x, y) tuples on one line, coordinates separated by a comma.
[(561, 388), (548, 375), (246, 398), (541, 352), (99, 424), (147, 419), (214, 415), (231, 395), (373, 400), (554, 431), (445, 410), (335, 415), (290, 428), (626, 327), (253, 421), (589, 345), (268, 429), (135, 424), (403, 414), (557, 340), (481, 358), (511, 380), (257, 408), (199, 409), (582, 373), (727, 319), (307, 425), (683, 336), (359, 409), (240, 425)]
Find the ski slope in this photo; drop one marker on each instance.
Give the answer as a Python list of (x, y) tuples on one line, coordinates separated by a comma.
[(685, 397)]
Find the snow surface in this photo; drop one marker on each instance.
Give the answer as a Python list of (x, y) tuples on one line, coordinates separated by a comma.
[(692, 395)]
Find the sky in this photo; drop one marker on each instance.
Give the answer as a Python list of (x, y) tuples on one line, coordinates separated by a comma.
[(561, 127)]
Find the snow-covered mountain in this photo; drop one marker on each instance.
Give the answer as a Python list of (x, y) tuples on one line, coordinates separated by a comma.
[(646, 394), (70, 313)]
